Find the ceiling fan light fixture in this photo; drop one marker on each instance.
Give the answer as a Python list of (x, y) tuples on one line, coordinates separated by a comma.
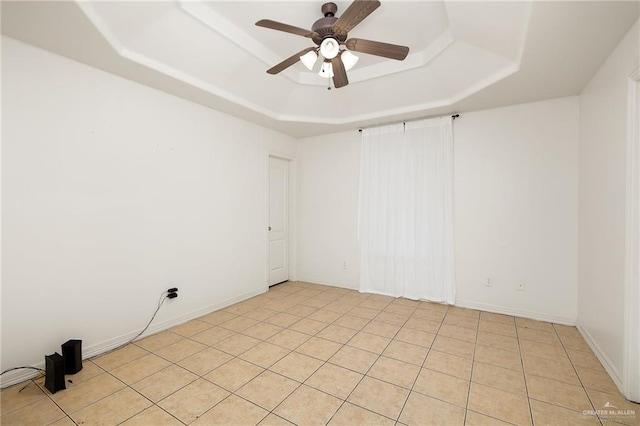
[(309, 59), (348, 59), (329, 34), (330, 48), (326, 70)]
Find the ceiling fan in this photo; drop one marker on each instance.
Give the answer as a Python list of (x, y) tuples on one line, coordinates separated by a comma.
[(330, 36)]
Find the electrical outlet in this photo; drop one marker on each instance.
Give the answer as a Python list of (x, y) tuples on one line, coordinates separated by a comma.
[(344, 265), (521, 286), (488, 283)]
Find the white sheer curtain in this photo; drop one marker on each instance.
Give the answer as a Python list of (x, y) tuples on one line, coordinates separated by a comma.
[(405, 222)]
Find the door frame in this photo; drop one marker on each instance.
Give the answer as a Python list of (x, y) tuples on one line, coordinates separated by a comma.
[(631, 359), (293, 218)]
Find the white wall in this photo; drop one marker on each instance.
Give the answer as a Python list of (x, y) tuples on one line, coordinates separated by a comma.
[(114, 192), (329, 168), (603, 144), (516, 208)]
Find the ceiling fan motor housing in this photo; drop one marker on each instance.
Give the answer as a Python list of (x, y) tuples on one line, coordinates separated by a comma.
[(324, 26)]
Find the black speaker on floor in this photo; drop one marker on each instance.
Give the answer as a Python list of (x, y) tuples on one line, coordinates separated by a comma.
[(72, 353), (54, 380)]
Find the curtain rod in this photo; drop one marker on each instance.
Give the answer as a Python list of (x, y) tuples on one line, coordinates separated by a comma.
[(454, 116)]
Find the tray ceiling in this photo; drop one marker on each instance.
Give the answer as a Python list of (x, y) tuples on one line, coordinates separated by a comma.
[(464, 55)]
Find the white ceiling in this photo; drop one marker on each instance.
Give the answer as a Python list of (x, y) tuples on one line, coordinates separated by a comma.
[(463, 55)]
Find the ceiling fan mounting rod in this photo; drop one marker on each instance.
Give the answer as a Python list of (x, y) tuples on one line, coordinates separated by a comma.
[(329, 9)]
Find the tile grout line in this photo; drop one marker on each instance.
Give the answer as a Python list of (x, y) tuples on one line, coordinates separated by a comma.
[(33, 380), (584, 389), (238, 357), (344, 401), (134, 390), (371, 366), (552, 379), (267, 369), (327, 361), (272, 411), (175, 363), (473, 361), (524, 374), (435, 336), (397, 420)]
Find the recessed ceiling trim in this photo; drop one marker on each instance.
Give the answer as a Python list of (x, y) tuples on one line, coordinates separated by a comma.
[(100, 25), (411, 109), (196, 82), (483, 84), (146, 61), (443, 41), (218, 23), (525, 31), (370, 116)]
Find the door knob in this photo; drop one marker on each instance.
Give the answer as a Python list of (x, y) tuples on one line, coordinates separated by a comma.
[(269, 228)]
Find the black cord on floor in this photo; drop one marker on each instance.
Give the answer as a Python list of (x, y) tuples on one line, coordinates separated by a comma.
[(21, 368), (160, 303), (163, 297)]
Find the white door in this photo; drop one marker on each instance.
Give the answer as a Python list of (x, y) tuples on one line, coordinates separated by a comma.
[(278, 220)]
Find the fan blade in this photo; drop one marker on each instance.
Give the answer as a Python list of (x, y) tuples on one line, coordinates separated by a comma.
[(267, 23), (355, 13), (392, 51), (339, 73), (289, 61)]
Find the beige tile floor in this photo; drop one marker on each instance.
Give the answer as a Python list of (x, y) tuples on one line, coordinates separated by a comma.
[(307, 354)]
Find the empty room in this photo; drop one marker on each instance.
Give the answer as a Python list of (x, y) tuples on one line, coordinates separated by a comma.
[(315, 213)]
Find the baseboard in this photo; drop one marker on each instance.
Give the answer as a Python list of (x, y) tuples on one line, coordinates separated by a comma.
[(321, 281), (19, 376), (614, 373), (540, 316), (92, 351)]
